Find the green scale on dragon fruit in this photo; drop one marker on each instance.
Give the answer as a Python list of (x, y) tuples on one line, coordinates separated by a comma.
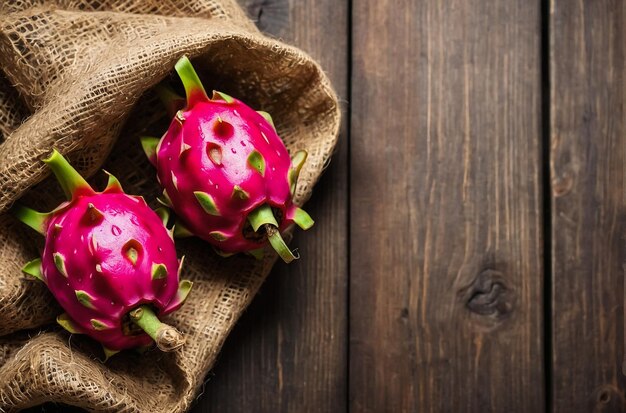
[(110, 262), (225, 171)]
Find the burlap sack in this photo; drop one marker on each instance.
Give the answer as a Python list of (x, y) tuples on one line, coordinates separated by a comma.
[(83, 71)]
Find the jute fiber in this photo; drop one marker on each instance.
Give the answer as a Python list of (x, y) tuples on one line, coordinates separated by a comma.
[(78, 76)]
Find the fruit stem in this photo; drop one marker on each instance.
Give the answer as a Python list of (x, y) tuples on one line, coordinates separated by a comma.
[(71, 181), (166, 337), (264, 217), (193, 86), (34, 219), (277, 242), (260, 216)]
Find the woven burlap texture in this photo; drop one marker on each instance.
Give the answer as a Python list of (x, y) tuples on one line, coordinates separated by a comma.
[(77, 75)]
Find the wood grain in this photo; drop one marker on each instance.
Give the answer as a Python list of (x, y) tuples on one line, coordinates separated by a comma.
[(289, 351), (588, 151), (446, 237), (443, 251)]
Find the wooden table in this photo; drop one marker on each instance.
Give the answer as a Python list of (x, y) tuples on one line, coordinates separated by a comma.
[(469, 246)]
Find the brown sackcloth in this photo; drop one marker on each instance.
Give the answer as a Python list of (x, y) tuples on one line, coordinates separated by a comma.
[(77, 75)]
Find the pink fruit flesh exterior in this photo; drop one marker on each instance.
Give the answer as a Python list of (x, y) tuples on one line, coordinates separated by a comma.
[(103, 268), (208, 151)]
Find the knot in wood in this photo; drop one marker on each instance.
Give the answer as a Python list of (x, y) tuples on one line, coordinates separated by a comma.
[(608, 398), (489, 296)]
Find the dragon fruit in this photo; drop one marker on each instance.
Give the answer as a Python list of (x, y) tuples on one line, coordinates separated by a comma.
[(225, 171), (110, 262)]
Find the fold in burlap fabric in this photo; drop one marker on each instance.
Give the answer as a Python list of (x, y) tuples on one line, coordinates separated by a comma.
[(77, 76)]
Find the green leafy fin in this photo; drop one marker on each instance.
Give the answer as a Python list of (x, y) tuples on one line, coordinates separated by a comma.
[(69, 179), (149, 145), (297, 161), (267, 117), (108, 353), (302, 219), (222, 96), (181, 231), (257, 162), (180, 265), (174, 180), (33, 268), (218, 236), (191, 82), (68, 324), (139, 199), (59, 262), (165, 199), (207, 203), (35, 220), (184, 287), (164, 214), (131, 250), (113, 184), (99, 324), (239, 193), (84, 298), (158, 271)]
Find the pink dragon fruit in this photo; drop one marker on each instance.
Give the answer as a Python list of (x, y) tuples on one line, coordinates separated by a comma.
[(110, 262), (225, 172)]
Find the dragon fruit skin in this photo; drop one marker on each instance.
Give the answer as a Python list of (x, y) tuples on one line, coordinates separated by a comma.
[(226, 172), (106, 255), (219, 181)]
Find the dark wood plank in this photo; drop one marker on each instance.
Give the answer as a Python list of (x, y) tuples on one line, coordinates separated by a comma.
[(289, 351), (446, 240), (588, 150)]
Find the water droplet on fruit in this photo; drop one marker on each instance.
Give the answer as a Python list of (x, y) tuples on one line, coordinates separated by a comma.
[(160, 249), (242, 143), (217, 186), (134, 220), (112, 302), (273, 169), (233, 150), (75, 251), (116, 230)]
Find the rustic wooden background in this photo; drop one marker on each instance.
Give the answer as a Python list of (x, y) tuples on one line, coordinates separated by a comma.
[(468, 254)]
